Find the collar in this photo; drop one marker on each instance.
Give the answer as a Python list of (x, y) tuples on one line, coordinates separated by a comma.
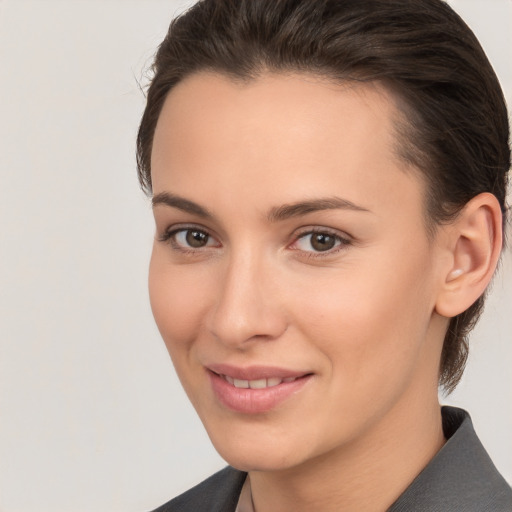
[(461, 476)]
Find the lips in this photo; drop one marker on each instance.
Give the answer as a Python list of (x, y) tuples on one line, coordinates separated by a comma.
[(257, 383), (256, 389), (255, 372)]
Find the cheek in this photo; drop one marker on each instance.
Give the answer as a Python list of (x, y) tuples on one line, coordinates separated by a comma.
[(369, 319), (176, 301)]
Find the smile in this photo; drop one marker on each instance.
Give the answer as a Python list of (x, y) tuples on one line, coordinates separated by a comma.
[(255, 390), (257, 383)]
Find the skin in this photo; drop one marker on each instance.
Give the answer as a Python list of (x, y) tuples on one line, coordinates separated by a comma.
[(362, 318)]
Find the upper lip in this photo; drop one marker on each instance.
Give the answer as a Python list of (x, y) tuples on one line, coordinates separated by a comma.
[(255, 372)]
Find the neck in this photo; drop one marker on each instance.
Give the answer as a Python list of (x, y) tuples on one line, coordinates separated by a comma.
[(366, 476)]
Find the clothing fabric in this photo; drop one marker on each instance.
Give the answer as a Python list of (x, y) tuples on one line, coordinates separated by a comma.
[(460, 478), (245, 503)]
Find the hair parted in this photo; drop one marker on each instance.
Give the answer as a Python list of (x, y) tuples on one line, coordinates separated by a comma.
[(454, 127)]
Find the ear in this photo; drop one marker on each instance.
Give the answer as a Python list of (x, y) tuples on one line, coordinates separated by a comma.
[(474, 241)]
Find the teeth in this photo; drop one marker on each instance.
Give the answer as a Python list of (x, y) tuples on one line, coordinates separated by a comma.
[(241, 383), (258, 383)]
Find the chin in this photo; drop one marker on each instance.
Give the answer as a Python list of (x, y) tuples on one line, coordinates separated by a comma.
[(264, 462), (258, 449)]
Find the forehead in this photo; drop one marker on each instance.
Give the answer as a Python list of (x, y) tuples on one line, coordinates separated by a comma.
[(286, 134), (290, 106)]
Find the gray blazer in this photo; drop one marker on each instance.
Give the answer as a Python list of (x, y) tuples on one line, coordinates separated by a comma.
[(460, 478)]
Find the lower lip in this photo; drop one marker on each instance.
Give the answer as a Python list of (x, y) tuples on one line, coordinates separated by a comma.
[(254, 401)]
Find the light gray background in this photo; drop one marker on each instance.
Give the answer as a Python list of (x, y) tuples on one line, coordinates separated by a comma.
[(92, 417)]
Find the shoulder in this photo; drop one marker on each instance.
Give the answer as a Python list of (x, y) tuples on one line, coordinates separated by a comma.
[(218, 493), (460, 477)]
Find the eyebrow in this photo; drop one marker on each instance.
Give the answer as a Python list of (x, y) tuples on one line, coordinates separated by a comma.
[(298, 209), (180, 203), (276, 214)]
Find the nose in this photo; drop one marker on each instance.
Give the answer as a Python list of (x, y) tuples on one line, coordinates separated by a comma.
[(247, 306)]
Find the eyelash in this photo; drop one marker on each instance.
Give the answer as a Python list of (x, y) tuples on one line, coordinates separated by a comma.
[(169, 236), (342, 241)]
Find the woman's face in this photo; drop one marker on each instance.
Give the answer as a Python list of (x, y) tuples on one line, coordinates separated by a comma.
[(292, 278)]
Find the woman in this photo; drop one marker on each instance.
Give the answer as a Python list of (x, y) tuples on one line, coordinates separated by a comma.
[(328, 183)]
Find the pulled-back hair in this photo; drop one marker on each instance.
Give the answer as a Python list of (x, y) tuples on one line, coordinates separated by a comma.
[(454, 128)]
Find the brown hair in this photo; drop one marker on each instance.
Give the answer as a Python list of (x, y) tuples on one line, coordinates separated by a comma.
[(455, 128)]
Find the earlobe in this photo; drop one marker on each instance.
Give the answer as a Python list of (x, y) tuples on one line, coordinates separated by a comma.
[(475, 245)]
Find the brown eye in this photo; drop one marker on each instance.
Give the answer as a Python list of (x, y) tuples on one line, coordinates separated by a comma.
[(190, 239), (195, 238), (319, 241), (322, 241)]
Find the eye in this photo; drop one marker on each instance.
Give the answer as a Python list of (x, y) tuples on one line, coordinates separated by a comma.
[(192, 238), (319, 241), (189, 239)]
